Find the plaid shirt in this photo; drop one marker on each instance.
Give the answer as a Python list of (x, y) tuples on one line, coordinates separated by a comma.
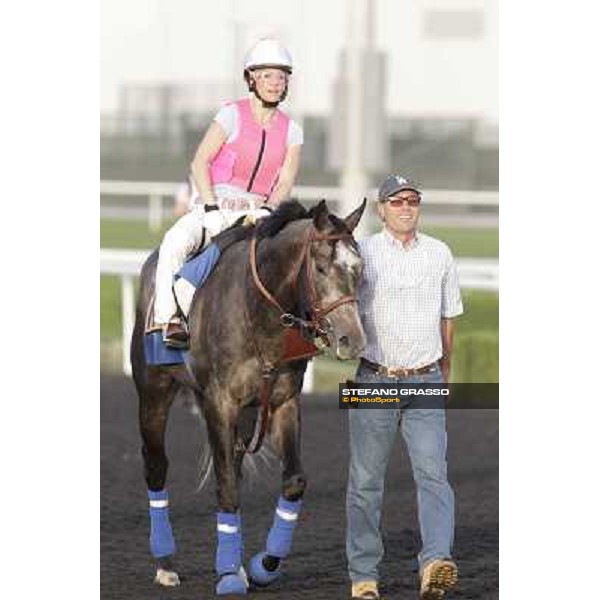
[(402, 297)]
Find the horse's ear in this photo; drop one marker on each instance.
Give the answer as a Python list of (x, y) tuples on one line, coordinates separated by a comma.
[(354, 217), (321, 215)]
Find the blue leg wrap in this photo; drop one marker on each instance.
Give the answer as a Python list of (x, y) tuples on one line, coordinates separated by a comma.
[(258, 573), (161, 535), (230, 550), (279, 541), (229, 543), (232, 585)]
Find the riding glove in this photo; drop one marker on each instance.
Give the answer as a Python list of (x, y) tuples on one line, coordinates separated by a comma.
[(214, 221)]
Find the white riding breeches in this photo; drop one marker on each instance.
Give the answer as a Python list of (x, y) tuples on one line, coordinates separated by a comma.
[(179, 242)]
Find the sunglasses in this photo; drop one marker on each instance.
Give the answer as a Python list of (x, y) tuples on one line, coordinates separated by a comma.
[(272, 75), (399, 202)]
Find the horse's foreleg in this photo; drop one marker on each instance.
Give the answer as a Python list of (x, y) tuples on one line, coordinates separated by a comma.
[(286, 435), (155, 402), (285, 430), (221, 417)]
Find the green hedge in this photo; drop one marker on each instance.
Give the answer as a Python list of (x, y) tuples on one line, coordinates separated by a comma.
[(475, 357)]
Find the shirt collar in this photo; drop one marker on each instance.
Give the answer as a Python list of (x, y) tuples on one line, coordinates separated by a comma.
[(395, 242)]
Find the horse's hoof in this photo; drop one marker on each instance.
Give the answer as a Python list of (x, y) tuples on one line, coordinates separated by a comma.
[(167, 578), (258, 574), (233, 584)]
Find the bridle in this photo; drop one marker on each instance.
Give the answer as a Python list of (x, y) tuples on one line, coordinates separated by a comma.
[(317, 324)]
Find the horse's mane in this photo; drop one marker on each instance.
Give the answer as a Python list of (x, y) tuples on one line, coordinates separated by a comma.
[(287, 212)]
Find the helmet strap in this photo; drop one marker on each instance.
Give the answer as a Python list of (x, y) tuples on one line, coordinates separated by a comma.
[(265, 103)]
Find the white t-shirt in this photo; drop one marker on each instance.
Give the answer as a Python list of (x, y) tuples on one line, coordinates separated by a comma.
[(228, 119)]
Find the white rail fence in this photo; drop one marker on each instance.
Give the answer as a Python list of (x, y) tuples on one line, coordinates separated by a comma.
[(155, 191), (474, 273)]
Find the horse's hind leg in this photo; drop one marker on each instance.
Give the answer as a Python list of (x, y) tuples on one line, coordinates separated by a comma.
[(264, 567), (156, 398)]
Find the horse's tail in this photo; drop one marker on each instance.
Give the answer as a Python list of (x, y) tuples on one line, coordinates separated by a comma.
[(255, 467), (263, 464), (205, 464), (205, 455)]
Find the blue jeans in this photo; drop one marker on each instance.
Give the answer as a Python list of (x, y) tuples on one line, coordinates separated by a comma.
[(372, 433)]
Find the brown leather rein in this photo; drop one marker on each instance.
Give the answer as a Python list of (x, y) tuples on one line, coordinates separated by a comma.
[(317, 312), (317, 320)]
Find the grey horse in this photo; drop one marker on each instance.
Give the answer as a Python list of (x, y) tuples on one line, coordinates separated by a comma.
[(293, 276)]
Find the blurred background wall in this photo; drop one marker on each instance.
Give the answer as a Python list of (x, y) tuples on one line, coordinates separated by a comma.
[(429, 77)]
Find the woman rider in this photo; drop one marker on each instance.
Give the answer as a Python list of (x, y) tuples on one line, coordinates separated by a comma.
[(247, 160)]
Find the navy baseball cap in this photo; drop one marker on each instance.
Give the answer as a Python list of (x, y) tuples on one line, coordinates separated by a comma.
[(394, 184)]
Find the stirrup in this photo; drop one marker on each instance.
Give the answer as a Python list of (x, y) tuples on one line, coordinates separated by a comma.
[(175, 335)]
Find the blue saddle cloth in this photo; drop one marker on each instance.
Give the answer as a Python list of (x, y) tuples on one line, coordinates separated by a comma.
[(196, 270), (158, 353)]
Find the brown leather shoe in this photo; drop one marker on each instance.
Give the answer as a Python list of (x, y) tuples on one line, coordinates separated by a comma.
[(439, 576), (365, 590), (175, 335)]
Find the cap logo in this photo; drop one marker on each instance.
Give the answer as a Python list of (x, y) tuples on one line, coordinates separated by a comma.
[(401, 180)]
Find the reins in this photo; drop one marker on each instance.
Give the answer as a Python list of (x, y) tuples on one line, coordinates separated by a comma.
[(317, 312), (316, 323)]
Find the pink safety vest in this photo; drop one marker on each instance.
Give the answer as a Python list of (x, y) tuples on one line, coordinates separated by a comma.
[(254, 159)]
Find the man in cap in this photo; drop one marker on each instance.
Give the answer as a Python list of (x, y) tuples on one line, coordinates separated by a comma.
[(408, 296)]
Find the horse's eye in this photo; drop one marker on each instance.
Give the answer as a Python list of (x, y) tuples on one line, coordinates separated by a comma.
[(321, 270)]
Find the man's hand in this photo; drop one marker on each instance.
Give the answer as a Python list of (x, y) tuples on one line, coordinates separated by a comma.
[(445, 368), (447, 331)]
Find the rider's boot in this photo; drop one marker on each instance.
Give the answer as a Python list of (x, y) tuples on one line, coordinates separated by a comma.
[(184, 294), (175, 334)]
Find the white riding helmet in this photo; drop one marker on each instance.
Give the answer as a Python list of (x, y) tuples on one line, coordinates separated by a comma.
[(268, 52)]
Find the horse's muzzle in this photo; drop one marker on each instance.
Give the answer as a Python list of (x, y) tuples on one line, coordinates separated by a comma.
[(348, 348), (343, 331), (346, 335)]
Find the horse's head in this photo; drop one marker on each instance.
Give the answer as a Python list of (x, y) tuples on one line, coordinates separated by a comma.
[(333, 268)]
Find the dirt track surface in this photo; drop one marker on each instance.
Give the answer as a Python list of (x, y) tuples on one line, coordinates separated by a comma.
[(317, 568)]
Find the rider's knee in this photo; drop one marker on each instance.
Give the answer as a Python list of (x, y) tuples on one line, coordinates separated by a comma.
[(177, 244), (168, 246)]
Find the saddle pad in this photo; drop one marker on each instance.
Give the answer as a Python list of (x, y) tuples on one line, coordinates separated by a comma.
[(157, 353), (197, 269)]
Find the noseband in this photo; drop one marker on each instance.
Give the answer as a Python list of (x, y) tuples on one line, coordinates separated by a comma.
[(318, 324)]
